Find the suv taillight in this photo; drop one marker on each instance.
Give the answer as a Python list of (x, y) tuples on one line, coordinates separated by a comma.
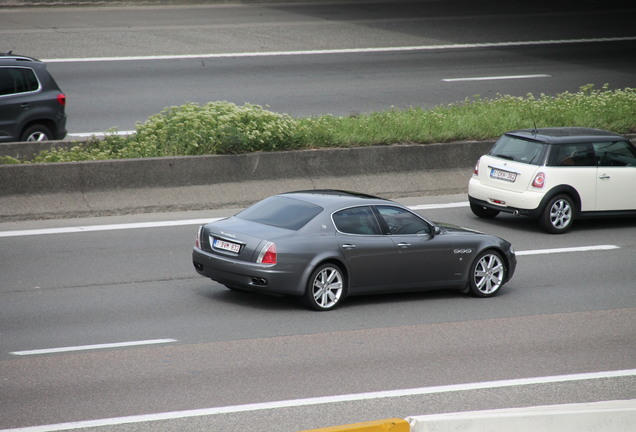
[(539, 181), (61, 99), (197, 239)]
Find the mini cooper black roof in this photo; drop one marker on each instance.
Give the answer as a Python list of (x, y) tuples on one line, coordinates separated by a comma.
[(566, 135)]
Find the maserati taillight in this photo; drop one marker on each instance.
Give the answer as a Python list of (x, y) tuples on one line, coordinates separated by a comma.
[(268, 254)]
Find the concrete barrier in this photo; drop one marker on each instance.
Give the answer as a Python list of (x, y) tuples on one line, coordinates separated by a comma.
[(199, 182), (605, 416), (610, 416)]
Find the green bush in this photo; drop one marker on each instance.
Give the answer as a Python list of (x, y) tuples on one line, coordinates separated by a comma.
[(215, 128), (225, 128)]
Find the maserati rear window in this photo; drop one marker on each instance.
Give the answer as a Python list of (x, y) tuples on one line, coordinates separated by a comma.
[(281, 212), (518, 150)]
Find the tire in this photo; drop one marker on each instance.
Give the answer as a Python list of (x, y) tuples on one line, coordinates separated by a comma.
[(558, 215), (487, 274), (36, 133), (483, 212), (325, 288)]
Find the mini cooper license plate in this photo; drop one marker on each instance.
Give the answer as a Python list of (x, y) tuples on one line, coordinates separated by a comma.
[(503, 175), (232, 247)]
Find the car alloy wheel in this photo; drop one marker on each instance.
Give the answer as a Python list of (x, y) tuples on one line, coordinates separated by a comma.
[(558, 215), (487, 274), (36, 133), (325, 287)]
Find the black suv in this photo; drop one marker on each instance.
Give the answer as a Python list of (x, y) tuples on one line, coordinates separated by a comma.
[(31, 103)]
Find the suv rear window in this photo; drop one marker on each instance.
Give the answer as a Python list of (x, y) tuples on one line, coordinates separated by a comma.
[(17, 80), (281, 212), (518, 150)]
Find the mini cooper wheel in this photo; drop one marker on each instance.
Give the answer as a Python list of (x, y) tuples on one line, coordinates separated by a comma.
[(483, 212), (325, 287), (558, 215), (36, 133), (487, 274)]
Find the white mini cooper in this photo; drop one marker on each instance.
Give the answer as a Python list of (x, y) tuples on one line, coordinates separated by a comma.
[(556, 175)]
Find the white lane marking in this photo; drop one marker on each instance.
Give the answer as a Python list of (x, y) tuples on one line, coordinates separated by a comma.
[(90, 228), (341, 51), (111, 227), (439, 206), (568, 250), (93, 347), (494, 78), (323, 400), (101, 134)]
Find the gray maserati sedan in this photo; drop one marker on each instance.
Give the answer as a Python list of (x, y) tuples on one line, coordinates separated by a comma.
[(325, 245)]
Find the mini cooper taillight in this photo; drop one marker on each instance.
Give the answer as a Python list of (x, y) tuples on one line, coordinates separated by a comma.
[(268, 254), (539, 181), (476, 170), (61, 99)]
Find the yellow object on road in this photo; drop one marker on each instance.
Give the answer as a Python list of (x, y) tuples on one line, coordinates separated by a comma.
[(387, 425)]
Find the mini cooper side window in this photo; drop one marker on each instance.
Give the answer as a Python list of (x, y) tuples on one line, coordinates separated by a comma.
[(356, 220), (571, 155), (17, 80), (617, 153), (402, 221)]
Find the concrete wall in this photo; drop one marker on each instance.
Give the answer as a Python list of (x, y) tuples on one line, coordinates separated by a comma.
[(200, 182)]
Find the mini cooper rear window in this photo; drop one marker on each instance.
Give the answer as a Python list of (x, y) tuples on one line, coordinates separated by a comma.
[(518, 150), (281, 212)]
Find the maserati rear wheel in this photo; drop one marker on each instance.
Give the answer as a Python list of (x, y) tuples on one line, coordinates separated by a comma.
[(325, 287)]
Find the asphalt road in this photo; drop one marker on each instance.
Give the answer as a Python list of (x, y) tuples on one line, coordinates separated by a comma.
[(391, 54), (564, 313), (227, 353)]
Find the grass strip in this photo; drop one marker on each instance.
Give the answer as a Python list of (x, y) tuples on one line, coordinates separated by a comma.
[(225, 128)]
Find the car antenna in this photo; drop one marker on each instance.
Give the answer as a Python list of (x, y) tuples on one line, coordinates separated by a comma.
[(535, 131)]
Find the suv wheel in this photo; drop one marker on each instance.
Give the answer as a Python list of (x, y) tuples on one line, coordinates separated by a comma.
[(36, 133), (558, 215)]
